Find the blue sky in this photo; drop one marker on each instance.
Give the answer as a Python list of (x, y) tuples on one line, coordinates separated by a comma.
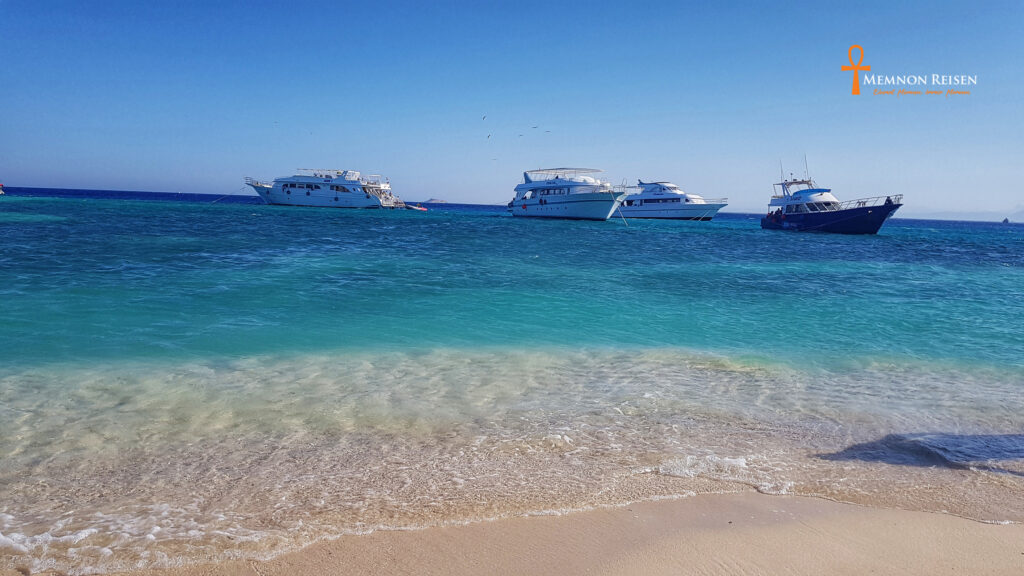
[(192, 96)]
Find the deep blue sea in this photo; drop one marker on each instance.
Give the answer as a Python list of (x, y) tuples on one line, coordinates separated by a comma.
[(190, 377)]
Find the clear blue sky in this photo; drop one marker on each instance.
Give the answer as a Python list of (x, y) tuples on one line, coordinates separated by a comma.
[(192, 96)]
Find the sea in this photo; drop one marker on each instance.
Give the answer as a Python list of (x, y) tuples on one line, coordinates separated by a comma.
[(195, 378)]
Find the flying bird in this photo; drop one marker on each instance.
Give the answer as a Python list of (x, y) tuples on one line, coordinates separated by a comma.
[(485, 117), (534, 126), (488, 136)]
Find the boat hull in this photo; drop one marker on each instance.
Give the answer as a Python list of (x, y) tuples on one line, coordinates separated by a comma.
[(860, 220), (584, 206), (703, 212)]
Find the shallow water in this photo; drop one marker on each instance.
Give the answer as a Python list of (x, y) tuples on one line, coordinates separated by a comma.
[(190, 381)]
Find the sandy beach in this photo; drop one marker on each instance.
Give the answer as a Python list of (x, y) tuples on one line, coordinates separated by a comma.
[(745, 533)]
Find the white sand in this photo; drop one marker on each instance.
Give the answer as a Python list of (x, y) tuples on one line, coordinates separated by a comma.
[(732, 534)]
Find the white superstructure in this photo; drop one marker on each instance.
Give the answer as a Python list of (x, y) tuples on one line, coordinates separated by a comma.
[(666, 200), (564, 193), (328, 188)]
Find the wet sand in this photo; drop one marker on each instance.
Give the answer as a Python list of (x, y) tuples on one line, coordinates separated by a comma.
[(732, 534)]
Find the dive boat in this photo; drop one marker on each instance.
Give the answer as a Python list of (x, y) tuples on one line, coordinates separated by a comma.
[(329, 189), (564, 193), (666, 200), (800, 205)]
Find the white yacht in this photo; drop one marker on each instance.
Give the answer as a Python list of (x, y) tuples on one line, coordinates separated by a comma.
[(666, 200), (328, 188), (564, 193)]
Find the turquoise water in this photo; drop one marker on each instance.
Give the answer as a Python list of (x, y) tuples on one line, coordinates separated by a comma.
[(184, 381), (90, 280)]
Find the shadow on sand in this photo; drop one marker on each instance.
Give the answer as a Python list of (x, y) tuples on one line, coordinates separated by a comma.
[(959, 451)]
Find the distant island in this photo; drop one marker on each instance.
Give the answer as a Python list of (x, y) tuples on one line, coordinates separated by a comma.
[(435, 201)]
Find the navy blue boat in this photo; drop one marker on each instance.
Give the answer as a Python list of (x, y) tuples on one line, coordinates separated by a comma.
[(800, 205)]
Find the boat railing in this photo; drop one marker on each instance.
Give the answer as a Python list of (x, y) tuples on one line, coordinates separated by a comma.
[(254, 182), (716, 200), (873, 201)]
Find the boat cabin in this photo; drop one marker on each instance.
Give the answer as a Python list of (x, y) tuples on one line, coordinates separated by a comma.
[(559, 182)]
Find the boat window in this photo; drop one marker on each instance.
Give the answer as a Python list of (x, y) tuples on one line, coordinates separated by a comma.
[(789, 209), (812, 207)]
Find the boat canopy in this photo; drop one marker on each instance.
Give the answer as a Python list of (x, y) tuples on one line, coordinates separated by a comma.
[(328, 173), (806, 186), (556, 173)]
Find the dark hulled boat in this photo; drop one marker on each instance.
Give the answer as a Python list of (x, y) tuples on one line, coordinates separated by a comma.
[(801, 206)]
